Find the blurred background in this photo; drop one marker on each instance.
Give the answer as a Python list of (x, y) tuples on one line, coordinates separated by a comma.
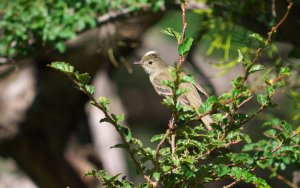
[(50, 136)]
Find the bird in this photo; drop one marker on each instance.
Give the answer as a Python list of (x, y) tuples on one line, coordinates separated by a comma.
[(158, 70)]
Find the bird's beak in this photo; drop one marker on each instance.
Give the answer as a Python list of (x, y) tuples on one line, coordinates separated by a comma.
[(137, 63)]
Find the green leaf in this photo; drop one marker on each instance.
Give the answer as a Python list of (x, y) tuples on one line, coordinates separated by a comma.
[(90, 89), (205, 107), (171, 32), (156, 176), (127, 133), (212, 99), (181, 91), (103, 101), (82, 78), (63, 67), (120, 117), (269, 90), (284, 71), (187, 172), (237, 82), (168, 83), (60, 46), (187, 78), (168, 101), (262, 99), (256, 68), (157, 137), (222, 170), (240, 56), (119, 146), (185, 46), (257, 37)]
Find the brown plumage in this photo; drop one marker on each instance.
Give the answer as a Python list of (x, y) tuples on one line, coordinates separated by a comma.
[(158, 70)]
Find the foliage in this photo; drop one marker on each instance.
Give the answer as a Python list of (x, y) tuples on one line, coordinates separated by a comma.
[(28, 25), (197, 156)]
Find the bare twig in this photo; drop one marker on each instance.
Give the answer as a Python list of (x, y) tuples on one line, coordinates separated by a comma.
[(231, 184), (125, 12), (273, 5), (284, 180), (173, 145)]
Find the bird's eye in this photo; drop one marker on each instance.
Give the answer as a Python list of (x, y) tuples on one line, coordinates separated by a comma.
[(150, 62)]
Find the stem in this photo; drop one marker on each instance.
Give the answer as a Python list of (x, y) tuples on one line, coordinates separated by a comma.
[(268, 41), (184, 24), (111, 120), (231, 184)]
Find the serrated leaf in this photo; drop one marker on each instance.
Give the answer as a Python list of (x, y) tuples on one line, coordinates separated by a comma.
[(284, 71), (212, 99), (257, 37), (226, 96), (119, 146), (185, 46), (171, 32), (205, 107), (90, 89), (187, 172), (168, 101), (269, 90), (82, 78), (187, 78), (127, 133), (222, 170), (256, 68), (156, 176), (63, 67), (103, 101), (157, 137), (181, 91), (120, 117), (60, 46), (262, 99)]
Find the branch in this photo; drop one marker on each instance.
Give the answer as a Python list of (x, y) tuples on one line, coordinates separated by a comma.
[(109, 118), (158, 147), (267, 42), (231, 184), (287, 182)]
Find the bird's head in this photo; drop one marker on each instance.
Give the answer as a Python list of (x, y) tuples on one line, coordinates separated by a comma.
[(151, 62)]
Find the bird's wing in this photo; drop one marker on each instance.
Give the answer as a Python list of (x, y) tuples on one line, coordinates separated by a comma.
[(199, 88), (166, 90), (160, 88)]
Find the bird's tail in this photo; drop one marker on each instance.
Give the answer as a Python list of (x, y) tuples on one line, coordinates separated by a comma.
[(207, 121)]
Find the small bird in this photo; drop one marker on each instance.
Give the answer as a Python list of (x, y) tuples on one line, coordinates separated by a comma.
[(158, 70)]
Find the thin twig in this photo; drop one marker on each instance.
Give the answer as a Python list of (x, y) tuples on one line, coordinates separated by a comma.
[(231, 184), (173, 145), (109, 118), (158, 147), (240, 105), (287, 182), (184, 24), (280, 145), (267, 42), (273, 5)]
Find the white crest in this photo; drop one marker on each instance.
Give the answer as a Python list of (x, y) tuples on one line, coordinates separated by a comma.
[(150, 52)]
